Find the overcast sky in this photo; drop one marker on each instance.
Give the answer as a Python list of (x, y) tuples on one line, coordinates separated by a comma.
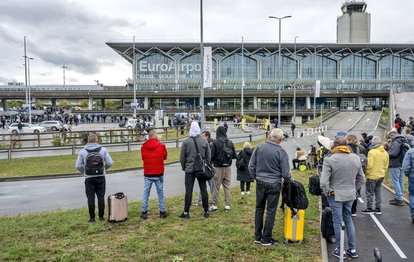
[(74, 32)]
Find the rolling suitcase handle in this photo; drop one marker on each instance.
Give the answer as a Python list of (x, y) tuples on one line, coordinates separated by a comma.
[(342, 243), (377, 255), (119, 195)]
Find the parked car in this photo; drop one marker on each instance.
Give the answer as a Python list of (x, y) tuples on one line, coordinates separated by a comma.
[(132, 123), (52, 125), (27, 129)]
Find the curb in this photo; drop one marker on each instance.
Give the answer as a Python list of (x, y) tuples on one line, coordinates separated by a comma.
[(392, 191), (57, 176)]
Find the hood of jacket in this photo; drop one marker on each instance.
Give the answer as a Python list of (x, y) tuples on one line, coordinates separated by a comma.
[(221, 132), (379, 147), (152, 143), (248, 151), (195, 129), (91, 146)]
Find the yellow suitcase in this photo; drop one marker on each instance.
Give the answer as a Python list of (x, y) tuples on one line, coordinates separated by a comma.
[(294, 226)]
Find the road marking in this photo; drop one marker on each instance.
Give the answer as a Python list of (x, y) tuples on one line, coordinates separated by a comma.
[(392, 242)]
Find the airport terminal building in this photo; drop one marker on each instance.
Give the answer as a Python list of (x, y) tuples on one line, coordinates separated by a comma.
[(358, 69)]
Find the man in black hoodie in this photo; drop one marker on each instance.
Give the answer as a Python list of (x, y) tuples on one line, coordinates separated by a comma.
[(395, 169), (222, 152)]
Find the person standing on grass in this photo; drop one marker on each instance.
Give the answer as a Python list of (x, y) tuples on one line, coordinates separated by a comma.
[(341, 176), (222, 153), (153, 154), (187, 157), (242, 164), (378, 161), (408, 169), (207, 136), (268, 165), (94, 174)]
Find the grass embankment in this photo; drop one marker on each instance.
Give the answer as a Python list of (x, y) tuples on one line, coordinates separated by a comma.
[(59, 165), (387, 182), (225, 236)]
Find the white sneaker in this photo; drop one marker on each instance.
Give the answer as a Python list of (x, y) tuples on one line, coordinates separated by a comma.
[(242, 193), (212, 208), (248, 192), (226, 208)]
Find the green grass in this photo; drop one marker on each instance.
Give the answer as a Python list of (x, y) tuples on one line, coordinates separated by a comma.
[(225, 236), (60, 165)]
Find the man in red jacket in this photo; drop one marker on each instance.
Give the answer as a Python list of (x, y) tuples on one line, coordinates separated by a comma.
[(153, 154)]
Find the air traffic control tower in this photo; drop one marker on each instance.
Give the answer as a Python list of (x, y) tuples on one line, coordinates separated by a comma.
[(354, 25)]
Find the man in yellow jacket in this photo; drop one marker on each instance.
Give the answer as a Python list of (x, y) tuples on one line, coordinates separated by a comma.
[(377, 166)]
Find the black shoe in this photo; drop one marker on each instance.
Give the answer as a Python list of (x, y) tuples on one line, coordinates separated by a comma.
[(268, 244), (91, 220), (396, 202), (257, 240), (413, 218), (367, 211), (206, 214), (352, 253), (185, 215), (101, 218), (144, 215), (377, 211), (163, 215)]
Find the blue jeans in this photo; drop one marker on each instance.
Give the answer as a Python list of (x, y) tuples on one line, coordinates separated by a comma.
[(159, 185), (341, 211), (397, 179), (411, 192)]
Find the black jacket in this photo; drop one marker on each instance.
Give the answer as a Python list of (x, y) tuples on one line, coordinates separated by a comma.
[(218, 144), (243, 173)]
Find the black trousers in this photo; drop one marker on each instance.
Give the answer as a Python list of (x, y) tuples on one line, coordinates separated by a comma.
[(95, 185), (266, 195), (242, 183), (189, 185)]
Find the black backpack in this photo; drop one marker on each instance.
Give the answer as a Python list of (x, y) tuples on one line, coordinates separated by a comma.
[(225, 155), (405, 146), (240, 163), (94, 162), (314, 186), (294, 196)]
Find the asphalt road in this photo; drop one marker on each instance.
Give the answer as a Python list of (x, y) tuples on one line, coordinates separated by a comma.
[(404, 104)]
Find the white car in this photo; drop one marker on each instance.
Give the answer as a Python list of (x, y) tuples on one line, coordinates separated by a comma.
[(27, 129), (52, 125), (131, 123)]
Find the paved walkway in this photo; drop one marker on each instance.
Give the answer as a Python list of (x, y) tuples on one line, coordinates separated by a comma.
[(391, 232)]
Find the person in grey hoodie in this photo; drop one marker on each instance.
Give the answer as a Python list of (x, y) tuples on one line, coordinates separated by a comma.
[(268, 165), (95, 183), (187, 156)]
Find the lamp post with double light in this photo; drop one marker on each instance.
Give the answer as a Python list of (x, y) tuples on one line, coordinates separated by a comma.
[(242, 73), (294, 84), (314, 76), (279, 67), (29, 98)]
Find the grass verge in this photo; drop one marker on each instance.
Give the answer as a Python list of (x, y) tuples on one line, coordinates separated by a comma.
[(63, 165), (225, 236)]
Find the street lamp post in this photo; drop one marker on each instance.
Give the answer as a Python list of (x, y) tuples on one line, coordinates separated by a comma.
[(134, 75), (279, 68), (242, 73), (25, 66), (64, 79), (314, 76), (294, 84), (29, 98), (202, 68)]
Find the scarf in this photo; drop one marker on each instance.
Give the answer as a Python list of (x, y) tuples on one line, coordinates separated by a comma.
[(343, 149)]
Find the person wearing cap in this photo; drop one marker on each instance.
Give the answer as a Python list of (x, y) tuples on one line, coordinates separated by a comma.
[(341, 176)]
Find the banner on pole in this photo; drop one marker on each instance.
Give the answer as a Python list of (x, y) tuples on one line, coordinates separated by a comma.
[(318, 88), (207, 68)]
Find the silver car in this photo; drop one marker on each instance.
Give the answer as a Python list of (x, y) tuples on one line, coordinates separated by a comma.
[(52, 125)]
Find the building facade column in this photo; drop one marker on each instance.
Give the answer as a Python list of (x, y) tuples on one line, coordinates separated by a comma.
[(90, 103), (146, 102), (360, 103), (255, 102), (218, 103), (4, 104), (103, 103), (308, 102)]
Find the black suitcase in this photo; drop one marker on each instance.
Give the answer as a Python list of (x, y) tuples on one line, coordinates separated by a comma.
[(327, 228), (325, 202)]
